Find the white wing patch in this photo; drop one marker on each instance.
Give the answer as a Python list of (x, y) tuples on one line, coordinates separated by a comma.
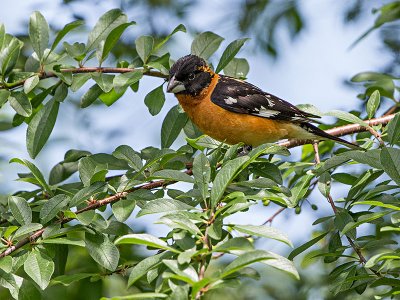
[(266, 113), (230, 100)]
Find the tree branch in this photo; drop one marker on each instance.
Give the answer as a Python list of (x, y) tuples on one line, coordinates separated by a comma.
[(45, 75), (342, 130)]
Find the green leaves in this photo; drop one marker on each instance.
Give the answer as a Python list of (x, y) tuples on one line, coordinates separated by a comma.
[(172, 125), (63, 32), (38, 33), (229, 53), (102, 250), (39, 267), (123, 81), (107, 22), (41, 126), (205, 44), (9, 53), (163, 205), (225, 176), (20, 210)]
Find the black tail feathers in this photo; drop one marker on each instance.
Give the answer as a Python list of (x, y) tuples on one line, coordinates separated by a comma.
[(318, 132)]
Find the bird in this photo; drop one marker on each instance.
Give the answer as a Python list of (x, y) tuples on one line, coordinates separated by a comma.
[(234, 111)]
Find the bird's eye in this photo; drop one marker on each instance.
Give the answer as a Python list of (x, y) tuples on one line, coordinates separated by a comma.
[(191, 76)]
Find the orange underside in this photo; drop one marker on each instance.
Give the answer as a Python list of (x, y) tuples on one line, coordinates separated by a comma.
[(232, 128)]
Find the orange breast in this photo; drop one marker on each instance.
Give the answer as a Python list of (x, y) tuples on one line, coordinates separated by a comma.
[(230, 127)]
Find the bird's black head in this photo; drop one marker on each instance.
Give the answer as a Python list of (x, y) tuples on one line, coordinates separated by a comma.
[(189, 75)]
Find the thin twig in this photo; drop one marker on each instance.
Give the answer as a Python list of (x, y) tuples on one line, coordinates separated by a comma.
[(270, 219), (316, 151)]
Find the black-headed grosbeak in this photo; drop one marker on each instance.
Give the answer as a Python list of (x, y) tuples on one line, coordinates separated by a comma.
[(232, 110)]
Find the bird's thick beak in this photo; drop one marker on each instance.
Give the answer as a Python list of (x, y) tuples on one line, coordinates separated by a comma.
[(175, 86)]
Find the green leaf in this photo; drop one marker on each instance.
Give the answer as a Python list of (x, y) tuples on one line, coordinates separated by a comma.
[(107, 22), (30, 83), (102, 250), (63, 32), (110, 97), (225, 176), (305, 246), (205, 44), (144, 47), (178, 28), (138, 296), (229, 53), (172, 125), (237, 67), (299, 190), (377, 203), (187, 272), (373, 103), (4, 94), (41, 126), (21, 104), (38, 33), (7, 280), (2, 35), (264, 231), (393, 129), (122, 81), (155, 100), (90, 96), (244, 260), (35, 172), (66, 280), (363, 219), (79, 80), (163, 205), (9, 54), (52, 207), (179, 220), (390, 158), (104, 81), (342, 115), (283, 264), (123, 209), (173, 175), (27, 228), (236, 243), (90, 171), (144, 266), (61, 92), (370, 157), (144, 239), (64, 241), (129, 155), (87, 193), (113, 38), (20, 210), (202, 174), (39, 267)]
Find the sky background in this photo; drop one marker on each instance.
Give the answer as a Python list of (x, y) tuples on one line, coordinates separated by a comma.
[(311, 69)]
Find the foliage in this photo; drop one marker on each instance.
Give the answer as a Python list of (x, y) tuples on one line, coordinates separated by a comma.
[(81, 209)]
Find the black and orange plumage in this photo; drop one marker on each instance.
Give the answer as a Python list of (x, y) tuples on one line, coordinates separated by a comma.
[(232, 110)]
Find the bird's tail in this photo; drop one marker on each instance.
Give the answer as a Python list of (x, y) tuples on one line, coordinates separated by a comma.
[(320, 133)]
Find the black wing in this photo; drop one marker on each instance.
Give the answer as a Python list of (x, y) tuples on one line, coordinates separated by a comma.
[(242, 97)]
